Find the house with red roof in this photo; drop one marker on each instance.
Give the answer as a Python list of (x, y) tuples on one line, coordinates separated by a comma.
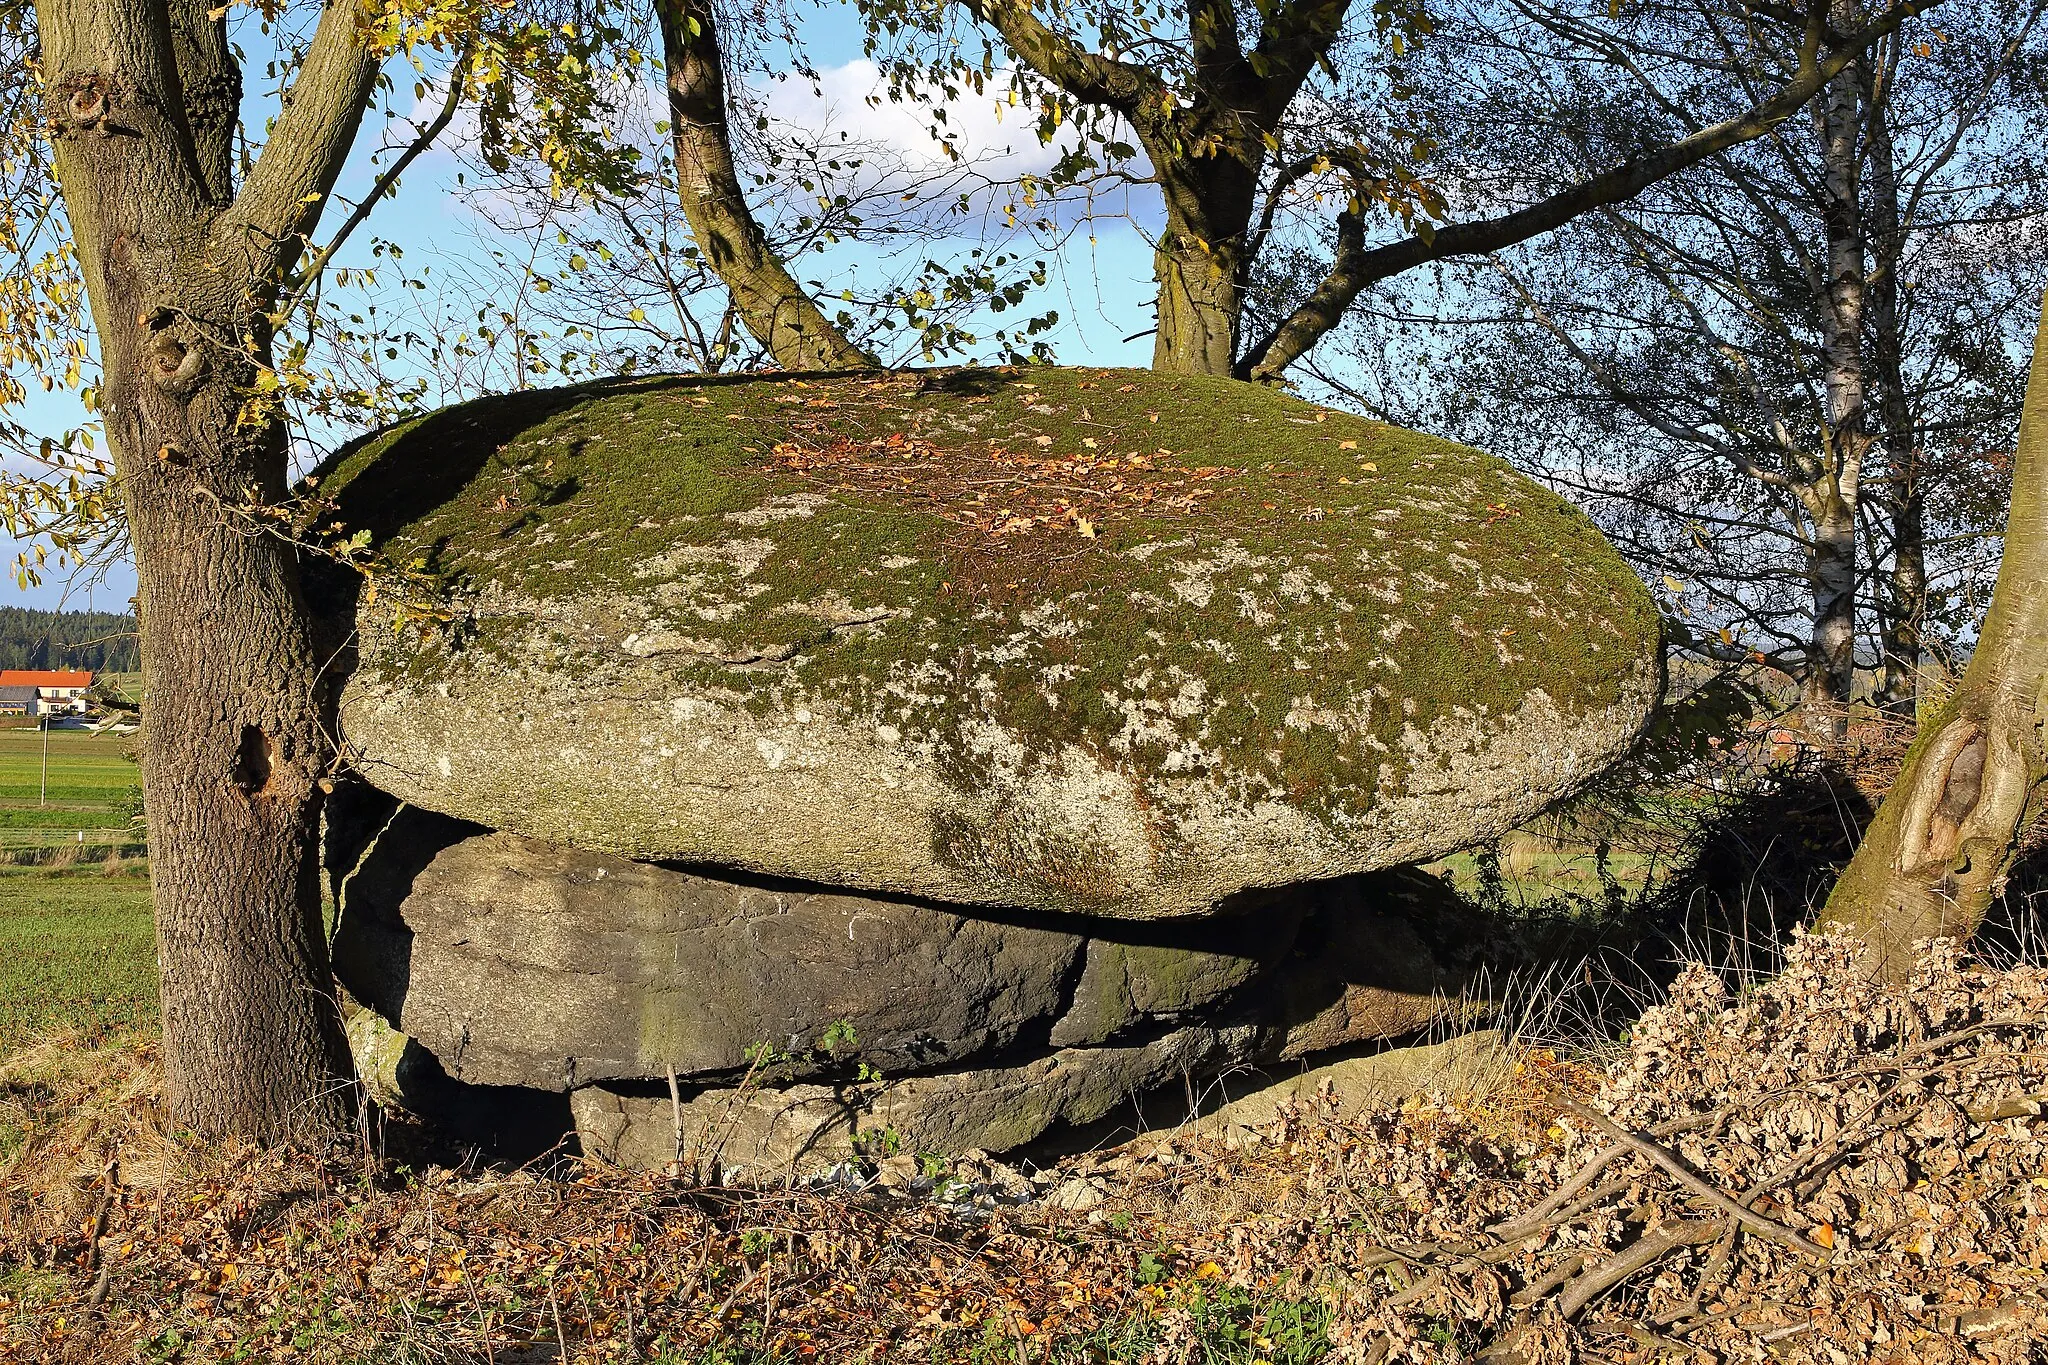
[(42, 691)]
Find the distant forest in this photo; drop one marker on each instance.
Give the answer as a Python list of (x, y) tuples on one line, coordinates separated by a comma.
[(101, 641)]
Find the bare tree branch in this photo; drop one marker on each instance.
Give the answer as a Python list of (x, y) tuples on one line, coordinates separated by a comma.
[(1620, 183)]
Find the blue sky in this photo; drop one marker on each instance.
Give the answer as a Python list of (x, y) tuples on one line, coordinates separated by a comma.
[(1101, 286)]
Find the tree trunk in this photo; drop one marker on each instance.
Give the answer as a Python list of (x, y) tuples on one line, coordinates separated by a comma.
[(233, 749), (1944, 838), (1199, 262), (1831, 651), (1831, 672), (1904, 590), (142, 103), (768, 299)]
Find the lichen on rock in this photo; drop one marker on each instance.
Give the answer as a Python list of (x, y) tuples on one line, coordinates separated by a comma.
[(1085, 641)]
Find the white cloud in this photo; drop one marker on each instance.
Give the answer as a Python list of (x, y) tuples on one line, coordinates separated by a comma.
[(1001, 140)]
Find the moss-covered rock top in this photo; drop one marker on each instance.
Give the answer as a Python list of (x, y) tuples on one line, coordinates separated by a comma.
[(1008, 592)]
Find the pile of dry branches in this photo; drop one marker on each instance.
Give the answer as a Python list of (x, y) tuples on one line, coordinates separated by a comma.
[(1816, 1169)]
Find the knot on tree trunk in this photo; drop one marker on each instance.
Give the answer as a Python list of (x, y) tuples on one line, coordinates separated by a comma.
[(86, 102), (176, 351), (1951, 787)]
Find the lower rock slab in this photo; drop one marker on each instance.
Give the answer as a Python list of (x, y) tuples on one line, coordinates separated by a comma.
[(768, 1134)]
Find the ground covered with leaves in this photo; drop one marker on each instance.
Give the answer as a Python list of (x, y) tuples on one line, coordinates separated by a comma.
[(1809, 1169)]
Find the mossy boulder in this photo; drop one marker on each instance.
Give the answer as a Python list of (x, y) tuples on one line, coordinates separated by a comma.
[(1086, 641)]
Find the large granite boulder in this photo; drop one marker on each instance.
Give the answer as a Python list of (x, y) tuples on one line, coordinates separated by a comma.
[(515, 962), (1093, 642)]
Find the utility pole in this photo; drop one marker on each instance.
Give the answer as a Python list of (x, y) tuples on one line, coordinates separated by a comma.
[(43, 797)]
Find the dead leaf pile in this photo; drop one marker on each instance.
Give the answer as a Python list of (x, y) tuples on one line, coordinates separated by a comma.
[(1819, 1169)]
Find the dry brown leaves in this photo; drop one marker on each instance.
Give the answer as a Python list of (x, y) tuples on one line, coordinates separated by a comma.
[(1894, 1133), (1001, 492), (311, 1256), (1819, 1170)]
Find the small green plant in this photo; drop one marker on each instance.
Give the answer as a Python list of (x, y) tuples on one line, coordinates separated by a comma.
[(828, 1054), (839, 1037), (756, 1242), (168, 1344), (878, 1142), (760, 1056)]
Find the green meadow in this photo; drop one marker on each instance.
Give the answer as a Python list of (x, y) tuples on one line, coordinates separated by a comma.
[(90, 790), (77, 948), (77, 951)]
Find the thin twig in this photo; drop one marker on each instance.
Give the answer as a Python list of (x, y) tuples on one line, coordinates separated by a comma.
[(1686, 1176)]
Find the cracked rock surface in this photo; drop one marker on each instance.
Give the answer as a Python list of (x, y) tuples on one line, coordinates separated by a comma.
[(752, 767), (521, 963)]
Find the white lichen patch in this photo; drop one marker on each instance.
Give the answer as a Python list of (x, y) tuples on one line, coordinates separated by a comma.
[(1196, 583), (741, 557), (782, 507), (1141, 721)]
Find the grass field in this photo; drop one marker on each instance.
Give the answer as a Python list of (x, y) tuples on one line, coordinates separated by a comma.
[(91, 788), (76, 944), (77, 950)]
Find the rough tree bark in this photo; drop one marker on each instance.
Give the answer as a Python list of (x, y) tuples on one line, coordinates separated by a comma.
[(179, 266), (768, 299), (1944, 838), (1200, 262)]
